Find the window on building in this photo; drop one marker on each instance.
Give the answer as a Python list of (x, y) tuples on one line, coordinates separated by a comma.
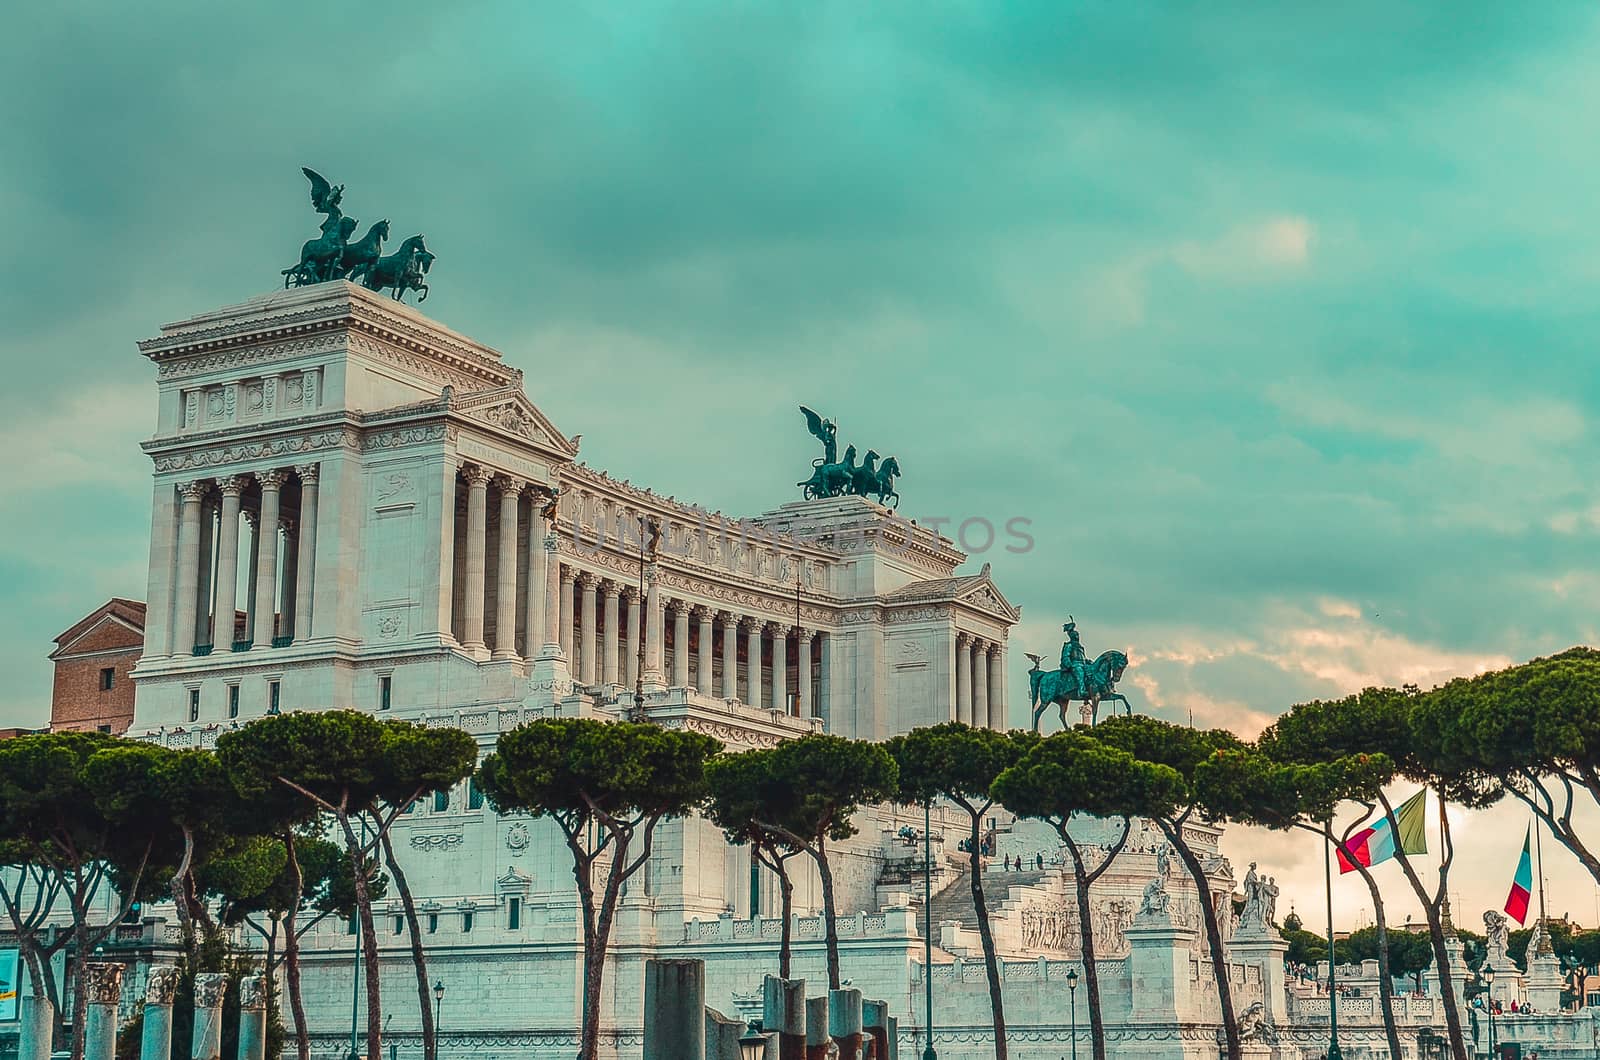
[(514, 914), (350, 924), (474, 796), (466, 922), (441, 801), (194, 704), (104, 728), (433, 922), (385, 688), (233, 701), (273, 688), (108, 677), (399, 925)]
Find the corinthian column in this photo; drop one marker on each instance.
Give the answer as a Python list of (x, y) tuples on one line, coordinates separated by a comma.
[(267, 557), (752, 651), (997, 688), (613, 617), (183, 608), (654, 680), (586, 628), (227, 564), (802, 677), (780, 667), (980, 683), (680, 644), (305, 576), (964, 678), (730, 656), (702, 679), (535, 615), (630, 665), (477, 562), (569, 579), (505, 616)]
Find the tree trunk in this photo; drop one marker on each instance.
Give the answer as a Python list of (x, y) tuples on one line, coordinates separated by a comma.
[(291, 952), (1385, 980), (786, 904), (178, 887), (829, 924), (1208, 916), (419, 961), (1091, 971), (1430, 907), (991, 962), (369, 938)]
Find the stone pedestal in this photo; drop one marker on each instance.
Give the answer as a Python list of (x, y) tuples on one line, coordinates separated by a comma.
[(783, 1012), (37, 1023), (1507, 981), (1266, 950), (817, 1040), (721, 1036), (674, 1009), (253, 1018), (882, 1028), (104, 986), (209, 988), (160, 987), (549, 678), (844, 1022), (1545, 983), (1158, 965)]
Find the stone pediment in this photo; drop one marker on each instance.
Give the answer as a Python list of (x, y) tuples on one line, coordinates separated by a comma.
[(507, 409), (977, 591), (987, 597)]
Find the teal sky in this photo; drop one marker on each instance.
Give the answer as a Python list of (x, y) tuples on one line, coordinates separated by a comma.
[(1275, 319)]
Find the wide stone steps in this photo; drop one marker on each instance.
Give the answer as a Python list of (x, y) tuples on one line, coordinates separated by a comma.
[(954, 901)]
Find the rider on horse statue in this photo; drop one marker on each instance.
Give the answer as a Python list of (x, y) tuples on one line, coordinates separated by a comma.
[(1074, 660)]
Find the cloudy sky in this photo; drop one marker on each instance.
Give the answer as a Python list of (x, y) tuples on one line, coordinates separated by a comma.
[(1271, 320)]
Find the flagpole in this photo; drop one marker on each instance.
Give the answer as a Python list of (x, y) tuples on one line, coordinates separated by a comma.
[(1333, 994), (1538, 847)]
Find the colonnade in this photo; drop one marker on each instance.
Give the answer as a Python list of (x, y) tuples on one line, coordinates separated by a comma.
[(278, 567), (609, 626), (980, 666)]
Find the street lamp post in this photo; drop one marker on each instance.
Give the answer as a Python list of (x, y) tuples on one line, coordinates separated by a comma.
[(438, 1012), (927, 921), (1072, 993)]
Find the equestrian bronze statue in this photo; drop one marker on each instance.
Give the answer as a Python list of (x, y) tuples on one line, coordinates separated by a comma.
[(1089, 683)]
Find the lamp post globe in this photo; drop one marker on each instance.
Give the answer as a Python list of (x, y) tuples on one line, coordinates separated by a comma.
[(752, 1043)]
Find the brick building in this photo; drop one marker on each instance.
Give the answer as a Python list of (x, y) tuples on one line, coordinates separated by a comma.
[(93, 658)]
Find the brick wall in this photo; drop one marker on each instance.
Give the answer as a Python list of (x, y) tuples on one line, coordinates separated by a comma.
[(105, 640)]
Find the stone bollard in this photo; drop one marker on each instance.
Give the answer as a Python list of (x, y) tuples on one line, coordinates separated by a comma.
[(877, 1024), (818, 1044), (103, 983), (38, 1023), (253, 1018), (722, 1036), (674, 1010), (209, 988), (783, 1010), (159, 991), (844, 1022)]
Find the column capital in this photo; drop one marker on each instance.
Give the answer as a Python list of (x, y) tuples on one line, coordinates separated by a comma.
[(587, 580), (963, 638), (977, 642), (103, 982), (477, 475), (806, 634), (233, 485), (728, 618), (286, 523), (552, 544), (611, 588), (274, 479), (702, 612), (751, 625), (250, 518), (307, 473), (778, 629), (195, 491), (630, 593), (509, 487), (568, 575), (161, 984)]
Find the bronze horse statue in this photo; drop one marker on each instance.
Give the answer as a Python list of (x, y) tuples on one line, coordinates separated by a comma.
[(830, 480), (1052, 686), (319, 258), (364, 251), (882, 485), (399, 272)]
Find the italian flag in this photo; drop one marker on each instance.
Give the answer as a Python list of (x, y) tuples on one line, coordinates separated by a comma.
[(1405, 831), (1521, 884)]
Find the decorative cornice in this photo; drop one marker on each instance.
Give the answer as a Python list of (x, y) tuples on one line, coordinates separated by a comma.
[(245, 451)]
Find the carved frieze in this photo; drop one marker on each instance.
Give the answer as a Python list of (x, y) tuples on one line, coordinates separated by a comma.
[(241, 452)]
